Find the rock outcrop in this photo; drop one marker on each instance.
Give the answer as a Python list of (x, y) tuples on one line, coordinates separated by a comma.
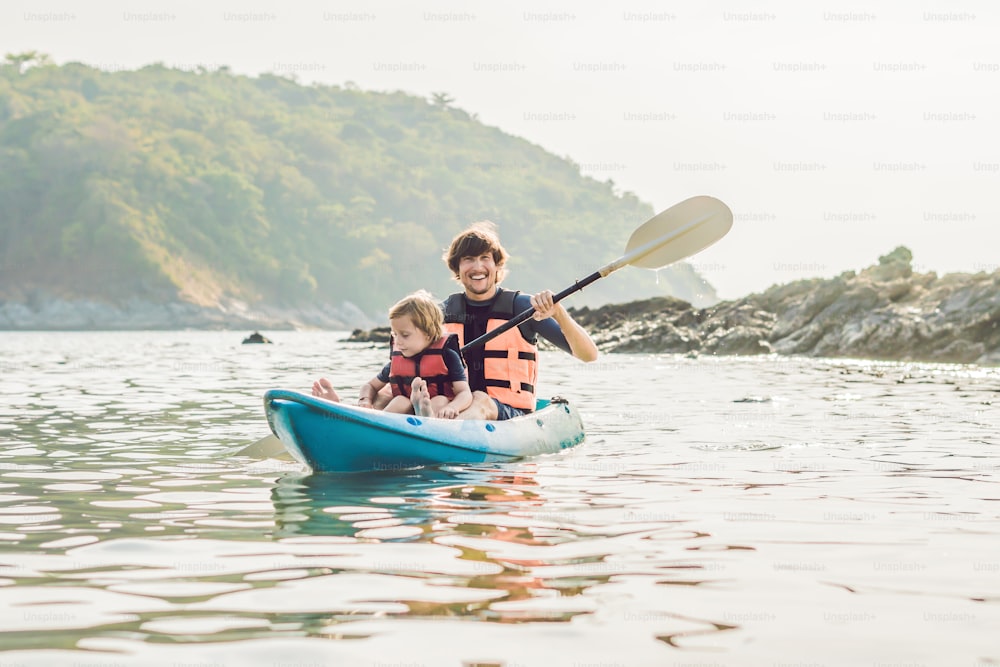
[(883, 312)]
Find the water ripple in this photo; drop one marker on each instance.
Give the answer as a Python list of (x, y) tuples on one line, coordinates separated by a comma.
[(718, 509)]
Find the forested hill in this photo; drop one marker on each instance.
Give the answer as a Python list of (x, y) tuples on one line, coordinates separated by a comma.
[(207, 188)]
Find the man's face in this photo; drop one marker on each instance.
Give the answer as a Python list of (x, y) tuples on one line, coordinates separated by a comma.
[(478, 276)]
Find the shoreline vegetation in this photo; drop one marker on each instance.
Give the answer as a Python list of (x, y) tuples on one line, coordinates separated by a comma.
[(885, 312), (193, 197)]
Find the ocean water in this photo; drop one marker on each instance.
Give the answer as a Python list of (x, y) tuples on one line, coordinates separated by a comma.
[(722, 511)]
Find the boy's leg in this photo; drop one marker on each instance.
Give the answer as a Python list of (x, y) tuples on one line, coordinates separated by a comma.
[(400, 405), (382, 398), (422, 404), (438, 402)]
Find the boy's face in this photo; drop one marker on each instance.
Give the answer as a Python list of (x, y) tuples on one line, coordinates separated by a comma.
[(408, 339), (478, 276)]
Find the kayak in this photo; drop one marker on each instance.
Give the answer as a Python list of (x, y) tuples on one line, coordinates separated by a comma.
[(335, 437)]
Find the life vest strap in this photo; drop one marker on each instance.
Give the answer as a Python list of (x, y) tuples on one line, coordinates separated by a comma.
[(502, 354), (505, 384)]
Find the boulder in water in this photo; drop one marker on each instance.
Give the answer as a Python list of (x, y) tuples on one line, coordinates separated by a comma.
[(256, 337)]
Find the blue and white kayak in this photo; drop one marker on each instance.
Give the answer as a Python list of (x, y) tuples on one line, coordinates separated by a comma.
[(335, 437)]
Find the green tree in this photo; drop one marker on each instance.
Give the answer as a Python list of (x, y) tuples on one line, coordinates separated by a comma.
[(442, 100), (22, 61)]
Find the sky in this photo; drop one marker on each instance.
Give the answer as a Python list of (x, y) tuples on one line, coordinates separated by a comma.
[(835, 131)]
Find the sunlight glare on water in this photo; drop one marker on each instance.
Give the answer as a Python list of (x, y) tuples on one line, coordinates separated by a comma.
[(749, 511)]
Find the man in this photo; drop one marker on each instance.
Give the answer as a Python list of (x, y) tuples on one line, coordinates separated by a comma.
[(502, 372)]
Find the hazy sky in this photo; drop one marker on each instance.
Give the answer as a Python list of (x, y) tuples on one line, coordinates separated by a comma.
[(834, 130)]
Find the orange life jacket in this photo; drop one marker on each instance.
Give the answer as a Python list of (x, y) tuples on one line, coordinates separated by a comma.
[(428, 365), (510, 361)]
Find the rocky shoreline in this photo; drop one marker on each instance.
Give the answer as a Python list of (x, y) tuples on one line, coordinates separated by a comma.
[(884, 312), (43, 313)]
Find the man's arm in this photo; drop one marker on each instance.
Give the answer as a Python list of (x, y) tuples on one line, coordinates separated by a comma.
[(580, 343)]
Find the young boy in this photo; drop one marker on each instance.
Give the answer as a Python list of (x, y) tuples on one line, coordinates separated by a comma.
[(425, 370)]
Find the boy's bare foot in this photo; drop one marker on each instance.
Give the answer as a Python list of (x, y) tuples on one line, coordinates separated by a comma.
[(421, 399), (323, 388)]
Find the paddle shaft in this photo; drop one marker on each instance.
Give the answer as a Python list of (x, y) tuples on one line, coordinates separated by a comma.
[(624, 260), (526, 314)]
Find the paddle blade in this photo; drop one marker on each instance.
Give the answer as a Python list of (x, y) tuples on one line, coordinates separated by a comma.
[(678, 232), (268, 447)]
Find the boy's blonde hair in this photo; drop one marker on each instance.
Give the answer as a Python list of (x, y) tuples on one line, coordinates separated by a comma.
[(423, 310)]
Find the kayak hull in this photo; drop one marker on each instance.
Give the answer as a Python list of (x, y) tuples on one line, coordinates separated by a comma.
[(334, 437)]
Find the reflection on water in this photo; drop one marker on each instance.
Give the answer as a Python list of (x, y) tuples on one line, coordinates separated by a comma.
[(481, 514), (726, 511), (322, 504)]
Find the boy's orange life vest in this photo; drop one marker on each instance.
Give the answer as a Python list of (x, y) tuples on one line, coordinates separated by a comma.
[(510, 361), (428, 365)]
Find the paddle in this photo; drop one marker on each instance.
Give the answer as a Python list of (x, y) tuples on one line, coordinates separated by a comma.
[(268, 447), (678, 232)]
